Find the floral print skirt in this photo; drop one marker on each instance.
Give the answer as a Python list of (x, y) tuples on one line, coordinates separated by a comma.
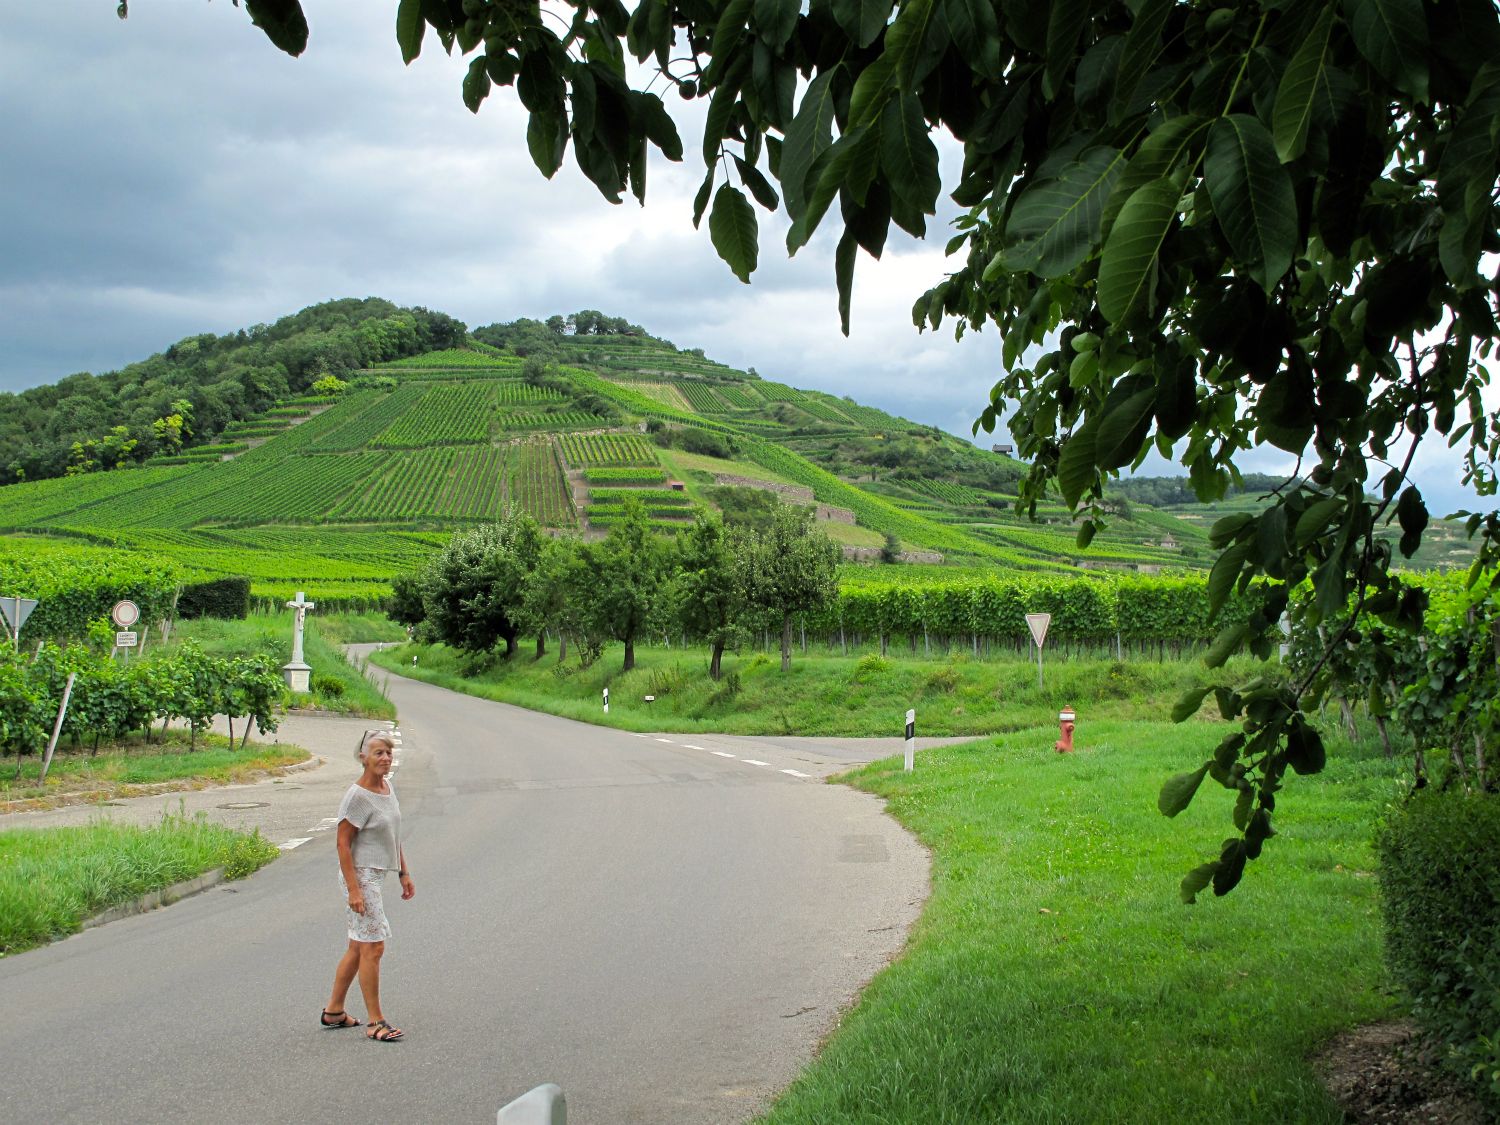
[(371, 925)]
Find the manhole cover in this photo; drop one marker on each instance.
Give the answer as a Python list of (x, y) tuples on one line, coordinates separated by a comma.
[(246, 805)]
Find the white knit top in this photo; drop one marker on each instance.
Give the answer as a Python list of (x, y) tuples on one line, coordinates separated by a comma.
[(377, 817)]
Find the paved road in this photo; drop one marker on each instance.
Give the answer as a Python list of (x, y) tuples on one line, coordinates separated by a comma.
[(665, 925)]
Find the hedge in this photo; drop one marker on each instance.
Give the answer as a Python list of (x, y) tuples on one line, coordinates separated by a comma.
[(227, 598), (1440, 878)]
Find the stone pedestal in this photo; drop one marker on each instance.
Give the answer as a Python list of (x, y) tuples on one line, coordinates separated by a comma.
[(298, 676)]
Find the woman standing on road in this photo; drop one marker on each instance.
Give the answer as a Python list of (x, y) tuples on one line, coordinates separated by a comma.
[(369, 845)]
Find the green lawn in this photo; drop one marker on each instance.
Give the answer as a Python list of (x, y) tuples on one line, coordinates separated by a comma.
[(1054, 975), (115, 768), (53, 879)]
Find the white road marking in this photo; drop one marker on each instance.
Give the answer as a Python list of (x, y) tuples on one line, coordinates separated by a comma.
[(753, 762), (690, 746), (668, 741), (797, 773), (721, 753), (290, 844)]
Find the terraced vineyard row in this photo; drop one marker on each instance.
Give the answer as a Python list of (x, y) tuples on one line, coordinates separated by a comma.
[(561, 420), (740, 396), (452, 358), (702, 397), (446, 414), (537, 485), (610, 476), (515, 392), (946, 490), (450, 482), (48, 501), (359, 430), (583, 450), (821, 410)]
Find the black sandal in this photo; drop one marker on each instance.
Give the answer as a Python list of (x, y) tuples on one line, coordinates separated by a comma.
[(382, 1032), (341, 1019)]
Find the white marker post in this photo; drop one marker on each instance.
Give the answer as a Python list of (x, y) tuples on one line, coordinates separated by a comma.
[(57, 728), (606, 701), (1037, 623), (911, 740)]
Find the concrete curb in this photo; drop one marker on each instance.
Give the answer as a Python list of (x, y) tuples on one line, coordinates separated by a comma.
[(152, 899)]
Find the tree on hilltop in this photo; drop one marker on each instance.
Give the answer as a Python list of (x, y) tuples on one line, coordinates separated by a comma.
[(1197, 229)]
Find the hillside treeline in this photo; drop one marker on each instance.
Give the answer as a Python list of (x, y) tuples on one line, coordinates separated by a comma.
[(187, 394), (544, 338)]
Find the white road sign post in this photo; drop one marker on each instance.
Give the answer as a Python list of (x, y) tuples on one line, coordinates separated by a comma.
[(606, 701), (1037, 623), (16, 611), (911, 740)]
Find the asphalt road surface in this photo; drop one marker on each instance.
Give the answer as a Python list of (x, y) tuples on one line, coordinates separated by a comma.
[(666, 926)]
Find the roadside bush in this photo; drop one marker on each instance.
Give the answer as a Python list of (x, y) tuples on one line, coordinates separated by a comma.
[(1440, 874), (330, 687), (870, 664), (227, 598)]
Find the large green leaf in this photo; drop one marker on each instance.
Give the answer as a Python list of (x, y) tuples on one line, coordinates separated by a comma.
[(282, 21), (1226, 570), (843, 270), (1143, 46), (913, 50), (1177, 792), (1174, 141), (907, 155), (1055, 223), (862, 20), (409, 29), (1196, 880), (1075, 466), (1127, 267), (733, 230), (1252, 197), (811, 132), (1297, 94), (1392, 36), (547, 140), (1065, 23), (777, 19), (1124, 421)]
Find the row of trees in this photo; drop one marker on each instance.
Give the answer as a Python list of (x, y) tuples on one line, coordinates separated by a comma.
[(111, 699), (710, 582), (195, 388)]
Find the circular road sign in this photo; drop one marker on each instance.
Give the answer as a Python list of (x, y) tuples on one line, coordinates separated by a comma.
[(125, 614)]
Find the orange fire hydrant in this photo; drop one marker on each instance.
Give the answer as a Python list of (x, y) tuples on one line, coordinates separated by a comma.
[(1065, 719)]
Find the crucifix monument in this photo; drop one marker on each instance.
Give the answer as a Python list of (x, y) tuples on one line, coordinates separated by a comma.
[(298, 673)]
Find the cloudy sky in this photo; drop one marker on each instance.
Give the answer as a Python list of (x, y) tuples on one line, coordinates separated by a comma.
[(173, 173)]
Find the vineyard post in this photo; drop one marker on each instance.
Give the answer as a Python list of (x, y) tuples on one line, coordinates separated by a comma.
[(57, 727)]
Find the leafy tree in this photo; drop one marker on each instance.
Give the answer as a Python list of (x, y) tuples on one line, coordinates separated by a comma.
[(791, 569), (545, 595), (709, 588), (406, 605), (626, 575), (1197, 228), (472, 590)]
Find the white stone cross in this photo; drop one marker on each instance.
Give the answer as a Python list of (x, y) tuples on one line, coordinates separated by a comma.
[(297, 673)]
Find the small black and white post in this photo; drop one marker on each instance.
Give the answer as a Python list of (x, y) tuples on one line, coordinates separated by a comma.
[(606, 701), (911, 740)]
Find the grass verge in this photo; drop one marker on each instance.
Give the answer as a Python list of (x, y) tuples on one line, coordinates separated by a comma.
[(822, 694), (337, 685), (117, 770), (54, 879), (1054, 975)]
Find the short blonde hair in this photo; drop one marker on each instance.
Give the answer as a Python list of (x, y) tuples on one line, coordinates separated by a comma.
[(372, 736)]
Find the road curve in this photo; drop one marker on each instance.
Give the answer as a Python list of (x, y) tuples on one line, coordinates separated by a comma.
[(666, 926)]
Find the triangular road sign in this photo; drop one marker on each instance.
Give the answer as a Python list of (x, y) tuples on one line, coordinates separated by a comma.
[(1037, 623), (16, 611)]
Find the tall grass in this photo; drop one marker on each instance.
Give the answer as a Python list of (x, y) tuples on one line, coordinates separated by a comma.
[(53, 879), (1054, 975), (820, 695)]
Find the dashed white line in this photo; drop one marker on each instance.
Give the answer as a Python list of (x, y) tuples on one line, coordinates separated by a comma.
[(690, 746), (721, 753), (753, 762), (797, 773), (668, 741), (290, 844)]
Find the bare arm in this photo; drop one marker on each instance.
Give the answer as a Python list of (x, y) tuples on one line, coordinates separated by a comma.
[(408, 888), (346, 834)]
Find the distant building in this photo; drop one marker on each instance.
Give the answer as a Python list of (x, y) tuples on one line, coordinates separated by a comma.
[(1168, 543), (1006, 449)]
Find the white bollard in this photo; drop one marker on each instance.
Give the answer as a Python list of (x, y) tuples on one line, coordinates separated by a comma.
[(911, 740), (606, 701), (544, 1105)]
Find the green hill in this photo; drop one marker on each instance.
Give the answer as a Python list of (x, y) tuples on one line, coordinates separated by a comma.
[(335, 494)]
